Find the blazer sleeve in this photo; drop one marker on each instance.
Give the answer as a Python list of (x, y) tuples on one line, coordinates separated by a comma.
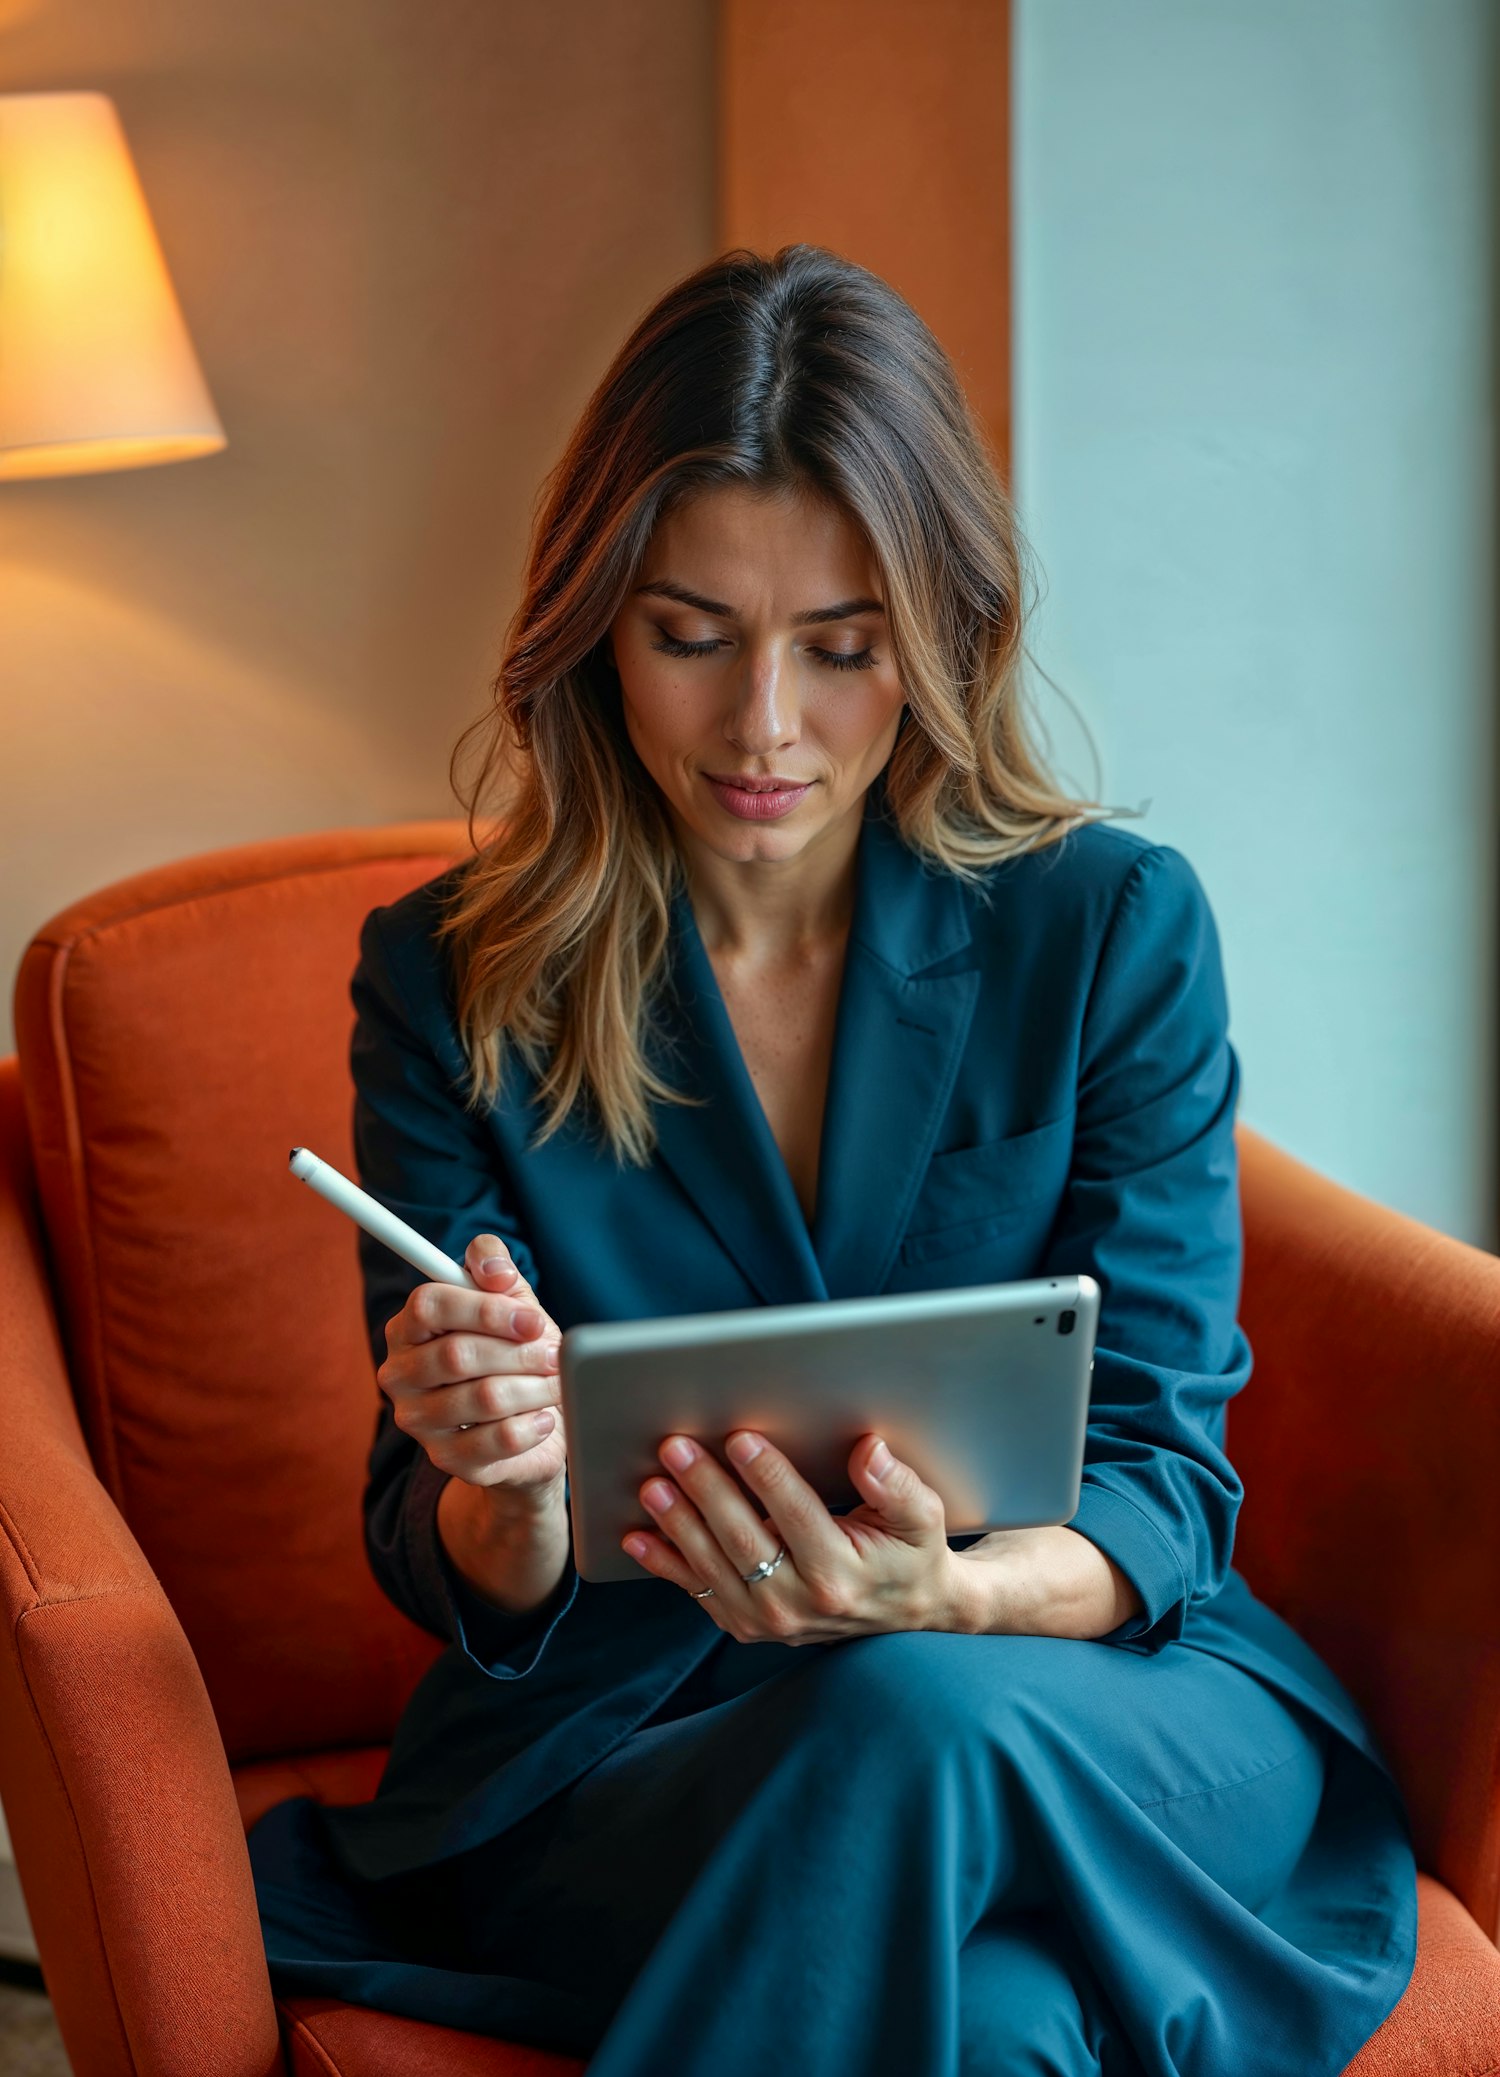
[(1151, 1210), (431, 1162)]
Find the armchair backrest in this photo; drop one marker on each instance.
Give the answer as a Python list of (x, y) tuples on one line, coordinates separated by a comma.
[(178, 1032)]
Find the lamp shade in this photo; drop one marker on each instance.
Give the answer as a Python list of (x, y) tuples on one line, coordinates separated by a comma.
[(96, 367)]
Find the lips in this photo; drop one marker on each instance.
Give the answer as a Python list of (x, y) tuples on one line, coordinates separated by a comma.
[(757, 799)]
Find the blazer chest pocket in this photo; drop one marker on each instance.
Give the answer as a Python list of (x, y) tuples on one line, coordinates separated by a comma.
[(970, 1193)]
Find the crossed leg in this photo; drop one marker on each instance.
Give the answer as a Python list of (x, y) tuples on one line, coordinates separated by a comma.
[(930, 1856), (1030, 2005)]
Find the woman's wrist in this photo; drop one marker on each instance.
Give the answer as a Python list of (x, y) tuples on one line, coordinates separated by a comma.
[(1046, 1582), (510, 1543)]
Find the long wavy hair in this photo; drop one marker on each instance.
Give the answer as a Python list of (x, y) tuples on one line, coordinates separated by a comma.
[(802, 372)]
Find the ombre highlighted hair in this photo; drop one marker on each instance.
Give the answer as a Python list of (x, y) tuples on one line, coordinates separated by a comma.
[(800, 373)]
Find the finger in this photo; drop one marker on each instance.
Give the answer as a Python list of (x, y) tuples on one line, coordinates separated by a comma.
[(428, 1414), (475, 1455), (518, 1433), (468, 1378), (817, 1545), (657, 1556), (484, 1399), (681, 1525), (738, 1527), (434, 1309), (481, 1335), (455, 1358), (903, 1501), (511, 1376)]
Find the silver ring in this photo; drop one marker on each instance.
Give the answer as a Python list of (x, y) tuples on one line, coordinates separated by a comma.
[(702, 1595), (765, 1568)]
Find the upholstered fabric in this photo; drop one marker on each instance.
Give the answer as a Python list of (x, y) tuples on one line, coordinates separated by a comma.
[(1449, 2020), (1369, 1443), (179, 1034), (332, 1777), (326, 2039)]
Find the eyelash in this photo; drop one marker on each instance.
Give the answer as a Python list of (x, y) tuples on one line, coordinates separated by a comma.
[(861, 660)]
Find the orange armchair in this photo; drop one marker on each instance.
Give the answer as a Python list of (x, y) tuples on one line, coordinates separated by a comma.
[(192, 1633)]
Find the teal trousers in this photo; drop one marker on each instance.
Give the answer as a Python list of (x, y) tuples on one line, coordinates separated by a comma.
[(928, 1855)]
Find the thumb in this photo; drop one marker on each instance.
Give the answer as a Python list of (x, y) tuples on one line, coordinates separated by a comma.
[(488, 1247), (901, 1499)]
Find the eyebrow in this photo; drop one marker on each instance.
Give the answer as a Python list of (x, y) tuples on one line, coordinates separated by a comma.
[(845, 609)]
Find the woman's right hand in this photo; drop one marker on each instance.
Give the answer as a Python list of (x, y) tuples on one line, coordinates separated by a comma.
[(473, 1377)]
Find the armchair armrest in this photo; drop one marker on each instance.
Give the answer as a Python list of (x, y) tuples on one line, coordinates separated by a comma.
[(1369, 1443), (114, 1778)]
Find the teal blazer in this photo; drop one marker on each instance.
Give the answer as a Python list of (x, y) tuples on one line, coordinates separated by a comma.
[(1032, 1076)]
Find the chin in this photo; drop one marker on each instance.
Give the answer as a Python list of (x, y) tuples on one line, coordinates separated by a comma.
[(742, 842)]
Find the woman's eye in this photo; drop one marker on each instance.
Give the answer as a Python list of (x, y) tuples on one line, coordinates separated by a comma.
[(673, 647), (858, 660)]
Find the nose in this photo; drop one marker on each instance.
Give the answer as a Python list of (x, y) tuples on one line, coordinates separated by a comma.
[(765, 715)]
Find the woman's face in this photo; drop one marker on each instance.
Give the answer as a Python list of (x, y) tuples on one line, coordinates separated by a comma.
[(754, 650)]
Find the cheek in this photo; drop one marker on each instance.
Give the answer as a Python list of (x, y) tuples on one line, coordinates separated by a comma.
[(662, 716), (852, 717)]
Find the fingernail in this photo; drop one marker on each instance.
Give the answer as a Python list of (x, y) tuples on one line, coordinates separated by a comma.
[(550, 1350), (493, 1264), (657, 1495), (744, 1448), (636, 1545), (544, 1423), (525, 1320), (881, 1460), (678, 1453)]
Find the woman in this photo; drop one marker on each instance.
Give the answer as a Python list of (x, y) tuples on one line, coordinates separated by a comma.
[(790, 975)]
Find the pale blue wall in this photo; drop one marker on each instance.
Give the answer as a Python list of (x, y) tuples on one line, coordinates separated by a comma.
[(1254, 453)]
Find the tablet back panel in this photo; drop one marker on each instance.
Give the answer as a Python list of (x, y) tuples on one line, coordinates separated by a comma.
[(984, 1391)]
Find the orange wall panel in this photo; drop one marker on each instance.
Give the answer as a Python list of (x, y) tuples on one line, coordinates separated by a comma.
[(881, 128)]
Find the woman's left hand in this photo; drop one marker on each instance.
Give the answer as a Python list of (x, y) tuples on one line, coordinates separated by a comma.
[(883, 1566)]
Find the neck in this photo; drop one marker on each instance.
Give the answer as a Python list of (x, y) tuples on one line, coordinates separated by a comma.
[(764, 912)]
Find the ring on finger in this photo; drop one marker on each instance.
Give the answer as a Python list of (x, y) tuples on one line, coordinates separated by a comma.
[(765, 1568)]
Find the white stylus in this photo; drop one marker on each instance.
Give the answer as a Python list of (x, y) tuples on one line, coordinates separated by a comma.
[(369, 1212)]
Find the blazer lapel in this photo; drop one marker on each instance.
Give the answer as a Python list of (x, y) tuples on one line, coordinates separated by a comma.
[(898, 1039)]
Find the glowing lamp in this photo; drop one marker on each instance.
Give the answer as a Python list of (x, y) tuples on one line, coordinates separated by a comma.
[(96, 367)]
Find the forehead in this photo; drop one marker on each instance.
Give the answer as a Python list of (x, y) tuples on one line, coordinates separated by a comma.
[(755, 540)]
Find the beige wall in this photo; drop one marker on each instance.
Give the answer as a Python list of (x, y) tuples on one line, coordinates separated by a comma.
[(406, 238)]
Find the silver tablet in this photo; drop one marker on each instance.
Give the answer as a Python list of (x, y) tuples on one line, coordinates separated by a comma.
[(984, 1391)]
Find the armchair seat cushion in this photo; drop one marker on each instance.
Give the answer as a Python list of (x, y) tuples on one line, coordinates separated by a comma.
[(349, 1774), (1448, 2021), (327, 2039)]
